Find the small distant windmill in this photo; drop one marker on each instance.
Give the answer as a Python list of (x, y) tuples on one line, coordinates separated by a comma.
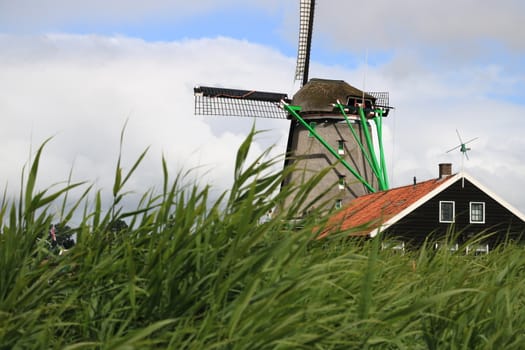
[(330, 124), (462, 148)]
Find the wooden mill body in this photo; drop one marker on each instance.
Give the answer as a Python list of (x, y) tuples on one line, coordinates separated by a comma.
[(308, 156)]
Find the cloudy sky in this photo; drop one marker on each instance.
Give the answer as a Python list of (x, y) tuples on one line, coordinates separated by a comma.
[(77, 70)]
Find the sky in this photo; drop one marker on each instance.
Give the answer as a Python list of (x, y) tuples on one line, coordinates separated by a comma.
[(78, 71)]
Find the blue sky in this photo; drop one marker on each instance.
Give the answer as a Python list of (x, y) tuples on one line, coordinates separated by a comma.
[(257, 26), (68, 67)]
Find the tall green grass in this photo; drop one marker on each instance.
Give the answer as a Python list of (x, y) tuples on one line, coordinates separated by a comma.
[(193, 272)]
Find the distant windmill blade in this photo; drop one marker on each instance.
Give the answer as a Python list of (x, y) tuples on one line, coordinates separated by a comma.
[(240, 103), (453, 149), (459, 137), (306, 23), (469, 141), (462, 145), (461, 140)]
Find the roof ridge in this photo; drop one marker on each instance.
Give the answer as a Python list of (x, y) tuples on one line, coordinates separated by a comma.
[(402, 187)]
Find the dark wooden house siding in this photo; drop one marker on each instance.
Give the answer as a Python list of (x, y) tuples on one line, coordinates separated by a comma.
[(424, 221)]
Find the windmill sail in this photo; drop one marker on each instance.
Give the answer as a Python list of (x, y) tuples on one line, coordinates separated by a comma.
[(249, 103), (462, 145), (331, 125), (463, 149), (239, 103), (307, 8)]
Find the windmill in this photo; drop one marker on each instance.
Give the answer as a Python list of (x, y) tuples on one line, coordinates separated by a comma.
[(330, 125), (462, 148)]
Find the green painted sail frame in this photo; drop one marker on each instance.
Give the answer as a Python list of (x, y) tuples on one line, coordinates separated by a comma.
[(378, 165)]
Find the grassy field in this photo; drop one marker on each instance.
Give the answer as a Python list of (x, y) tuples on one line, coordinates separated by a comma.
[(194, 273)]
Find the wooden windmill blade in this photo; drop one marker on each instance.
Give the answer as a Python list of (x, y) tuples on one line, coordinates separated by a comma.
[(382, 101), (306, 24), (240, 103), (262, 104)]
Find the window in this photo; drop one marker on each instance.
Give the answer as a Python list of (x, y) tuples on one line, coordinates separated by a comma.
[(312, 125), (341, 147), (478, 249), (342, 182), (396, 246), (358, 102), (338, 204), (452, 247), (446, 211), (477, 212)]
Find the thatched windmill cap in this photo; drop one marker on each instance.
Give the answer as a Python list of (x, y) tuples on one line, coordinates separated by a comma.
[(318, 95)]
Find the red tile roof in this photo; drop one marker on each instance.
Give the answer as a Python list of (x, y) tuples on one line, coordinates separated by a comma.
[(367, 213)]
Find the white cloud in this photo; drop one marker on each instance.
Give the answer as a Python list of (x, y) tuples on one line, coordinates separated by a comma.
[(82, 89), (384, 24)]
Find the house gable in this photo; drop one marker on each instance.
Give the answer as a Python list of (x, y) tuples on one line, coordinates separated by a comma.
[(413, 212), (366, 215), (424, 220)]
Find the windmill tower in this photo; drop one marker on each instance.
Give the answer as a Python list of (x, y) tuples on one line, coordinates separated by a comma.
[(331, 125)]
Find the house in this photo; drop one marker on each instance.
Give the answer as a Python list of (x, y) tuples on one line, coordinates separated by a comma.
[(450, 203)]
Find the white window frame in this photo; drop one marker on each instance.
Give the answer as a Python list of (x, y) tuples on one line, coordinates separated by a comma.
[(338, 203), (452, 247), (342, 182), (481, 248), (396, 246), (341, 147), (482, 221), (441, 210)]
